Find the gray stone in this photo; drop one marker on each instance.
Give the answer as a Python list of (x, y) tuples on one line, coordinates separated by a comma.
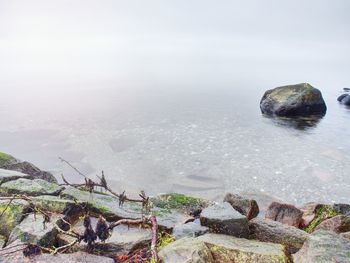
[(7, 175), (30, 187), (190, 229), (343, 209), (324, 246), (272, 231), (293, 100), (239, 250), (11, 215), (223, 219), (186, 250), (245, 206), (32, 230), (344, 99)]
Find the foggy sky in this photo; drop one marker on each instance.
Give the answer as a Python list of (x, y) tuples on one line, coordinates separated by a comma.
[(91, 44)]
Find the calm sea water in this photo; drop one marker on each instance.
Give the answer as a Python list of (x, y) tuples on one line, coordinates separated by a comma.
[(204, 141)]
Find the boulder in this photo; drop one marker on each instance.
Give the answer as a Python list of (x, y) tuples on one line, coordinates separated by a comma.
[(30, 187), (223, 219), (285, 214), (186, 250), (324, 246), (343, 209), (344, 99), (338, 224), (322, 213), (11, 215), (245, 206), (293, 100), (190, 229), (33, 230), (272, 231), (239, 250), (8, 162), (7, 175)]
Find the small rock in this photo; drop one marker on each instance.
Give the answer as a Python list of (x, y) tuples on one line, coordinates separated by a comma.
[(293, 100), (344, 99), (239, 250), (190, 229), (30, 187), (343, 209), (272, 231), (12, 216), (223, 219), (285, 214), (338, 224), (186, 250), (32, 230), (324, 246), (247, 207)]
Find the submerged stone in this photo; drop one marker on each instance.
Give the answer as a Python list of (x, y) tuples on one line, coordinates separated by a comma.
[(30, 187), (293, 100)]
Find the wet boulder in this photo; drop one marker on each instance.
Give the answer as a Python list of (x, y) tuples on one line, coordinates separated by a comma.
[(324, 246), (293, 100), (245, 206), (221, 218), (271, 231), (285, 214)]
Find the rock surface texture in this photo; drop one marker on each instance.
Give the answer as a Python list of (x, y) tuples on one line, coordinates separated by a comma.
[(285, 214), (293, 100)]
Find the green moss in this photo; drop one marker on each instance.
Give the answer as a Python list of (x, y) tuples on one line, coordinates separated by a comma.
[(5, 159), (164, 239), (175, 200), (322, 213)]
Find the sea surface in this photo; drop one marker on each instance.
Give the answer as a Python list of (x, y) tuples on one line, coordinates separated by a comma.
[(203, 140)]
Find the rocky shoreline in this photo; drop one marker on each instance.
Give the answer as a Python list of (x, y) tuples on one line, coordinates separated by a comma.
[(34, 209)]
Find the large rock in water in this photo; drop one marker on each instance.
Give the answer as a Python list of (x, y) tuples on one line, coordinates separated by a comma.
[(323, 246), (344, 99), (293, 100)]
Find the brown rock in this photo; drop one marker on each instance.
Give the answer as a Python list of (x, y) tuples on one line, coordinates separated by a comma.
[(346, 235), (309, 213), (245, 206), (285, 214), (338, 224)]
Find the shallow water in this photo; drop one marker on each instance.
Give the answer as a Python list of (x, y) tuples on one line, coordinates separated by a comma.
[(204, 142)]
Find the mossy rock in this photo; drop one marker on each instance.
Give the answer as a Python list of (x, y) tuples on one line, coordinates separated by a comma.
[(30, 187), (32, 230), (6, 159), (51, 203), (11, 215), (178, 201), (8, 175), (293, 100), (323, 213)]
